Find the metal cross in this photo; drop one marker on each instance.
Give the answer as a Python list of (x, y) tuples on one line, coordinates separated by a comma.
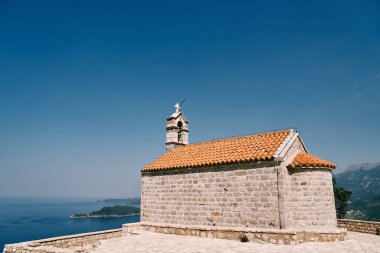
[(177, 107)]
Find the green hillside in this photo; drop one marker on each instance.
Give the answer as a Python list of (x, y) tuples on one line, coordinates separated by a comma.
[(110, 211), (363, 180)]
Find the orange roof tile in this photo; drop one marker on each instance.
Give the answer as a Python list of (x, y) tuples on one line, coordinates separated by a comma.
[(305, 160), (223, 151)]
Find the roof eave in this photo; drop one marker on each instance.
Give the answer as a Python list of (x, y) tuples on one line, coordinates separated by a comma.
[(311, 167), (206, 165)]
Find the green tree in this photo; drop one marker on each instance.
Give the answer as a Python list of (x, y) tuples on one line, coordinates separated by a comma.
[(341, 200)]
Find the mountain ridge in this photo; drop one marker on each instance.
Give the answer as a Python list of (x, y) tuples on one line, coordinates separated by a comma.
[(361, 166), (363, 180)]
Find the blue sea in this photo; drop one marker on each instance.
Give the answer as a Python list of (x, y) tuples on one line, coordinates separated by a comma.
[(25, 219)]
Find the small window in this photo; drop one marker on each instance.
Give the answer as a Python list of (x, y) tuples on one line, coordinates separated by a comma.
[(179, 130)]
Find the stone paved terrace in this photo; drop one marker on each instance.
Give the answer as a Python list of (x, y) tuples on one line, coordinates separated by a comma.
[(155, 242)]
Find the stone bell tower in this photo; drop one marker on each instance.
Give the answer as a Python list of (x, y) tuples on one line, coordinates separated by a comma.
[(177, 130)]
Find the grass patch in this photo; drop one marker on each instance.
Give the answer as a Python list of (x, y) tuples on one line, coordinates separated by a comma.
[(244, 238)]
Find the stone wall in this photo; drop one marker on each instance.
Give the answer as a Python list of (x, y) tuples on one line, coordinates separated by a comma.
[(286, 193), (306, 195), (70, 243), (369, 227), (277, 236), (311, 202), (239, 195)]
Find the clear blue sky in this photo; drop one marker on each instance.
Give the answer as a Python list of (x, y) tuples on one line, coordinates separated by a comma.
[(85, 86)]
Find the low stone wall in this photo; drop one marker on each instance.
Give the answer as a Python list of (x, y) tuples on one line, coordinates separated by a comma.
[(71, 243), (276, 236), (368, 227), (131, 228)]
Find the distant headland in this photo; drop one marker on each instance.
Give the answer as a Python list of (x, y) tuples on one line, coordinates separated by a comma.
[(110, 212), (127, 201)]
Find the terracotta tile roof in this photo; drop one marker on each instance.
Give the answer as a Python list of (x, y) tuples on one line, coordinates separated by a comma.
[(305, 160), (223, 151)]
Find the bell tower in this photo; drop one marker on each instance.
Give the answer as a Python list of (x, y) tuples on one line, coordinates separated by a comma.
[(177, 129)]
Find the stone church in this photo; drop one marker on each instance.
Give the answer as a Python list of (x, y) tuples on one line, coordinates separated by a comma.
[(266, 187), (255, 183)]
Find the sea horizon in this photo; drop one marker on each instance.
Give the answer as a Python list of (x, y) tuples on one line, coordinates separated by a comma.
[(26, 218)]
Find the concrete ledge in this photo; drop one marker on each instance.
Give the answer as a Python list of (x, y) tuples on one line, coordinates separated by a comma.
[(368, 227), (70, 243), (276, 236)]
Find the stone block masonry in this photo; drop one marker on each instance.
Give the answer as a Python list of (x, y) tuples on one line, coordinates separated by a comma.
[(368, 227), (239, 195), (275, 236), (311, 200), (64, 244)]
